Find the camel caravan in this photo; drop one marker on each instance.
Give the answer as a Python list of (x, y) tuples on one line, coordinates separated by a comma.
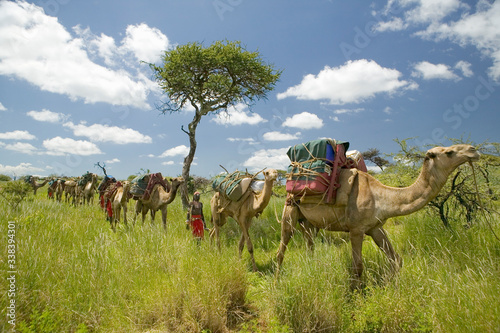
[(328, 187)]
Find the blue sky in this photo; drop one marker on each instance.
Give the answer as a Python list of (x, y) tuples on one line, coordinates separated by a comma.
[(73, 90)]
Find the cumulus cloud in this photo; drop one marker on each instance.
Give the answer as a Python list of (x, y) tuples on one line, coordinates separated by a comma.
[(268, 158), (38, 49), (179, 150), (168, 163), (105, 133), (395, 24), (47, 116), (278, 136), (465, 68), (2, 108), (21, 147), (145, 42), (249, 140), (429, 71), (238, 115), (354, 82), (477, 26), (111, 161), (17, 135), (67, 146), (20, 169), (304, 120)]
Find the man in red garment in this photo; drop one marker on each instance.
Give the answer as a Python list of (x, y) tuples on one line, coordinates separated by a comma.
[(195, 218)]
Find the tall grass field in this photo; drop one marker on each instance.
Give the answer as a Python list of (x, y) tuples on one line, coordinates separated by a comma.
[(72, 273)]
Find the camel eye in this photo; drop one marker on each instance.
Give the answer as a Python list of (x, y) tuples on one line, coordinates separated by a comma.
[(450, 153)]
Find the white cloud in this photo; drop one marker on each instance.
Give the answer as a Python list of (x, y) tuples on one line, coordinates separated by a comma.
[(38, 49), (146, 43), (17, 135), (238, 115), (268, 158), (348, 111), (388, 110), (114, 160), (335, 118), (21, 169), (304, 120), (395, 24), (67, 146), (429, 71), (241, 140), (464, 67), (168, 163), (179, 150), (2, 108), (21, 147), (47, 116), (478, 26), (105, 133), (354, 82), (278, 136)]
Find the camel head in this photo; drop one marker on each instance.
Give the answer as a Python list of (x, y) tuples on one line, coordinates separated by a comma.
[(177, 181), (270, 174), (447, 159)]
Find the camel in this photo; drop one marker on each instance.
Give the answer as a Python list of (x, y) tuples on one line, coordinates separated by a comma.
[(70, 190), (87, 192), (59, 191), (32, 181), (251, 204), (159, 199), (363, 205), (119, 201)]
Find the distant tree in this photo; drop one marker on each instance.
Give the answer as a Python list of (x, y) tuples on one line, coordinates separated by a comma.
[(210, 79), (14, 192), (4, 178), (373, 155)]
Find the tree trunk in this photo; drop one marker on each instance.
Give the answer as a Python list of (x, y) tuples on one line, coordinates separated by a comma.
[(189, 158)]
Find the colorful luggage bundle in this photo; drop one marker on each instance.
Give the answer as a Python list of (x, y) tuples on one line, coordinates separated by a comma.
[(233, 185), (141, 186), (315, 167)]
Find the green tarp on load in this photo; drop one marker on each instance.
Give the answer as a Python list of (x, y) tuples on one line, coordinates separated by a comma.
[(232, 185), (139, 184)]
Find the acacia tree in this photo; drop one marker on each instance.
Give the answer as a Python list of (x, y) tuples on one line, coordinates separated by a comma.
[(210, 79)]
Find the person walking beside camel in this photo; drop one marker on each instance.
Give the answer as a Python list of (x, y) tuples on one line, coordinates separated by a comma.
[(195, 219)]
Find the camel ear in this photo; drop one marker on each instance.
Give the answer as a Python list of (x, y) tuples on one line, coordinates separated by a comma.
[(430, 155)]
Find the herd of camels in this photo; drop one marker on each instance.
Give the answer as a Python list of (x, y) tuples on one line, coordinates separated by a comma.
[(362, 204)]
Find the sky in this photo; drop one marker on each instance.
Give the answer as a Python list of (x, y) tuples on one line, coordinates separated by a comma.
[(75, 91)]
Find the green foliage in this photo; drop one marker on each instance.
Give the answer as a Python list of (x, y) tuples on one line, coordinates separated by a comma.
[(4, 178), (214, 77), (14, 192)]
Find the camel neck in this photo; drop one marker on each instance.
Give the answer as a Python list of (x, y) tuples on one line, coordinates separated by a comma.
[(264, 196), (406, 200)]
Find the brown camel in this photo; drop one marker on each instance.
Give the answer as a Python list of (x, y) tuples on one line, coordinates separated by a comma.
[(70, 190), (158, 200), (35, 185), (119, 201), (251, 204), (59, 191), (87, 193), (363, 205)]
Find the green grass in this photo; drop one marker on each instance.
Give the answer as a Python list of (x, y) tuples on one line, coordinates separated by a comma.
[(76, 275)]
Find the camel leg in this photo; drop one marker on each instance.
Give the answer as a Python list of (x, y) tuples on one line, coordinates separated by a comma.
[(245, 237), (288, 222), (380, 237), (164, 217), (152, 213), (124, 213), (307, 229), (357, 257)]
